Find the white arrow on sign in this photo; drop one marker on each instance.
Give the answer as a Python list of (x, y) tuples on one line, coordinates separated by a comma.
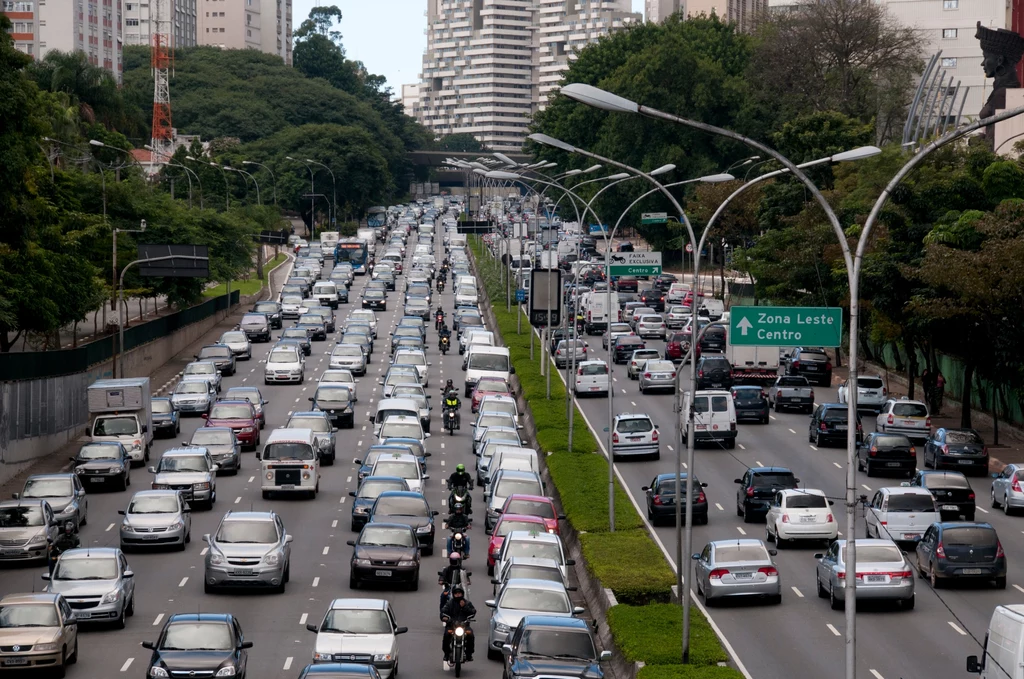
[(744, 325)]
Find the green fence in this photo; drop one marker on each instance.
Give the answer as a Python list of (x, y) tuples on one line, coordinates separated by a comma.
[(41, 364)]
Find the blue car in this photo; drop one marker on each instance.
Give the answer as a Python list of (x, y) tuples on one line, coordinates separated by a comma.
[(166, 422), (369, 489)]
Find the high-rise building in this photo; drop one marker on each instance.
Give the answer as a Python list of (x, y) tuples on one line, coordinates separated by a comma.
[(743, 13), (263, 25), (89, 26), (659, 10), (178, 19), (410, 97), (565, 26)]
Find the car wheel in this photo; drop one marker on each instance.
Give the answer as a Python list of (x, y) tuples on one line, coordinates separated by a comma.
[(934, 579), (768, 537), (969, 517), (73, 658), (119, 622), (908, 604), (833, 602), (130, 610), (208, 588), (867, 468), (747, 518), (822, 594), (62, 669), (1000, 582), (1006, 506), (188, 537), (817, 439), (992, 496), (353, 582)]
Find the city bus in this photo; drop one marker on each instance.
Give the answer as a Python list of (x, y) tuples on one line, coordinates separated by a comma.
[(353, 251)]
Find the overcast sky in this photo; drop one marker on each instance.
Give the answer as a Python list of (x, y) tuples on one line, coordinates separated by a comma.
[(386, 35)]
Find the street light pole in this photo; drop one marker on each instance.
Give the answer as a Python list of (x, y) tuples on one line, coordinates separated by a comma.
[(249, 175), (273, 178), (312, 192), (145, 174), (227, 185), (334, 189)]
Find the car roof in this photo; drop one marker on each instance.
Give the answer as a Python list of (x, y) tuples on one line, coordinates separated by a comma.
[(771, 470), (401, 457), (529, 498), (231, 402), (248, 516), (360, 604), (51, 476), (185, 450), (533, 583), (905, 490), (631, 416), (91, 552), (33, 598), (802, 491), (215, 429), (535, 536), (24, 502), (746, 542), (200, 617), (309, 413), (535, 621), (155, 493)]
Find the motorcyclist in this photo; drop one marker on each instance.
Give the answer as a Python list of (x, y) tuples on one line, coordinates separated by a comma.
[(445, 331), (460, 478), (457, 612), (67, 538), (459, 522), (438, 319), (453, 574), (452, 402), (440, 284)]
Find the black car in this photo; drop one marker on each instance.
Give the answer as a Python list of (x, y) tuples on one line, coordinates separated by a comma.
[(336, 401), (199, 645), (369, 489), (300, 335), (315, 324), (624, 347), (338, 670), (664, 281), (103, 462), (714, 372), (713, 339), (654, 299), (550, 646), (388, 279), (811, 362), (962, 449), (961, 551), (385, 553), (829, 424), (272, 310), (221, 355), (627, 284), (375, 299), (326, 314), (557, 335), (409, 508), (751, 403), (166, 421), (886, 453), (952, 492), (757, 488), (661, 499)]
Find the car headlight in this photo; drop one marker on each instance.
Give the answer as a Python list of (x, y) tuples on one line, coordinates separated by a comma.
[(176, 525), (115, 469), (136, 445), (111, 597), (360, 510), (201, 486), (247, 430), (381, 657), (501, 627), (360, 562), (52, 646), (321, 656), (272, 559), (79, 470), (37, 540), (423, 529), (216, 558), (228, 671), (160, 486), (157, 672), (406, 564)]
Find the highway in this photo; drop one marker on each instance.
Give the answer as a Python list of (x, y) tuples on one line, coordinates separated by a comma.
[(171, 582)]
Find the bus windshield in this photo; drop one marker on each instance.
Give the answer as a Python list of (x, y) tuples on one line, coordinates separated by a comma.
[(353, 252)]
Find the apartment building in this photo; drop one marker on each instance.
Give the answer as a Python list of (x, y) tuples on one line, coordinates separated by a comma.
[(177, 18), (743, 13), (659, 10), (263, 25), (410, 97), (89, 26)]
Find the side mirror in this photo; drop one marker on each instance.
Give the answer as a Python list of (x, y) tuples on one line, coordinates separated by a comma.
[(206, 537), (491, 603), (831, 502), (357, 462), (215, 468), (245, 644), (310, 399), (645, 488), (973, 666), (121, 512), (737, 480), (75, 459), (259, 455), (605, 655), (772, 552), (351, 493), (433, 512), (288, 539), (577, 610), (129, 574), (350, 543), (152, 470), (45, 576), (312, 628), (695, 556), (506, 649), (703, 485), (570, 562), (401, 630), (905, 484), (512, 370), (148, 644), (819, 556), (494, 581)]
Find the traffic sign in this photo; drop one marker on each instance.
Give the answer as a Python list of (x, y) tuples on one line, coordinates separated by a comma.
[(520, 295), (778, 326), (689, 247), (635, 264), (654, 218)]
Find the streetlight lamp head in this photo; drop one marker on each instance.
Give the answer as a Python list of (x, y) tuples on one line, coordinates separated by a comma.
[(190, 158), (856, 154), (620, 175), (310, 161), (572, 173), (593, 168), (481, 171), (598, 98), (479, 166), (96, 142), (551, 141), (548, 164), (505, 159), (499, 174), (214, 164), (717, 178), (288, 158), (247, 162), (664, 169)]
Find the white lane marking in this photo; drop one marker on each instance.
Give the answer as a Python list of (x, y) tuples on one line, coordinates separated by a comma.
[(982, 510), (205, 550), (1019, 588), (742, 532), (109, 528), (360, 444), (684, 465), (442, 446), (742, 447), (719, 507), (316, 581), (251, 479), (127, 664), (772, 417), (334, 524), (342, 501), (442, 463), (238, 499), (832, 629), (875, 674), (958, 630), (865, 486), (303, 618), (244, 379), (838, 466), (288, 663), (327, 549), (158, 619), (348, 480), (670, 448), (364, 427), (183, 581), (623, 391), (797, 592), (296, 400), (812, 447), (633, 403), (791, 431), (759, 463)]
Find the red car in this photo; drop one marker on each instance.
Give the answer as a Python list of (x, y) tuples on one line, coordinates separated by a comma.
[(238, 415), (534, 505), (488, 386), (674, 350), (506, 524)]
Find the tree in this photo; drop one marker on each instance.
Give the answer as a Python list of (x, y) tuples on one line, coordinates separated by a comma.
[(462, 142)]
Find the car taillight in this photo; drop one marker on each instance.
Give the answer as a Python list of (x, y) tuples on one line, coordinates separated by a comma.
[(700, 373), (615, 438), (829, 518), (796, 365), (928, 422), (860, 427), (656, 499), (647, 375), (944, 448), (823, 427), (673, 375), (885, 392), (812, 395), (999, 550), (654, 436), (785, 518), (750, 492), (717, 573), (770, 571), (841, 575), (913, 451), (703, 498), (889, 419), (828, 365), (764, 395), (940, 551), (1016, 486), (873, 451), (580, 372), (970, 496)]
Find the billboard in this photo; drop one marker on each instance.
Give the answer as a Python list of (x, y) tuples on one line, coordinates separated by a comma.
[(174, 261)]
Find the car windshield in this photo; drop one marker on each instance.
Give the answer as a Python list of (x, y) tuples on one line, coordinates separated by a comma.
[(162, 406), (909, 410), (371, 489), (332, 394), (594, 369), (43, 487), (660, 366), (836, 415), (506, 408), (533, 573), (373, 294), (410, 358), (353, 621), (539, 600), (888, 441), (959, 437), (115, 426), (20, 517), (506, 526), (492, 419), (291, 299), (745, 394), (313, 319), (215, 437), (233, 337), (910, 502), (225, 412), (403, 470), (247, 532), (806, 501), (288, 451), (192, 388), (317, 424), (876, 554), (531, 508), (870, 383), (350, 350), (771, 479), (28, 615), (153, 504), (974, 536), (510, 486), (946, 481), (534, 549), (254, 319), (214, 352), (265, 307), (295, 333), (402, 377), (634, 425), (493, 384), (726, 553), (197, 636), (792, 382), (387, 537), (283, 356), (250, 395), (550, 643), (401, 430), (200, 369), (99, 452), (644, 354), (409, 391), (183, 463), (86, 569)]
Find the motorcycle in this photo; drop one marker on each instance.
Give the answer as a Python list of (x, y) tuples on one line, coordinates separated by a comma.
[(458, 540), (460, 577), (444, 344), (438, 320), (451, 420), (440, 285), (67, 538), (458, 656), (460, 494)]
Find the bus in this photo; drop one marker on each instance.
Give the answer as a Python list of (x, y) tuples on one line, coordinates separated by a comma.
[(377, 217), (353, 251)]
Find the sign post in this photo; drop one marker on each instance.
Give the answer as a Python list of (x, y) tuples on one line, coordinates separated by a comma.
[(654, 218), (771, 326), (634, 264)]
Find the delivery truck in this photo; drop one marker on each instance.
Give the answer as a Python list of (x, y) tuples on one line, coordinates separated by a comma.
[(122, 410), (753, 365)]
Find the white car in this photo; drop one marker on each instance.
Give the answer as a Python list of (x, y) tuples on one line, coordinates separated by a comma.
[(293, 306), (903, 416), (285, 364), (350, 357), (343, 377), (466, 296), (367, 316), (616, 330), (651, 325), (800, 514), (239, 344), (401, 465), (871, 392), (416, 359), (592, 378), (359, 628), (900, 514)]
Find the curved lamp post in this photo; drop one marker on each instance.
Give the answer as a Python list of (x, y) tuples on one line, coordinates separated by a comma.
[(273, 178), (334, 191), (188, 174)]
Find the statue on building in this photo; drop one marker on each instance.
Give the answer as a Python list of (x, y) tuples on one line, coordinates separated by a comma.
[(1001, 51)]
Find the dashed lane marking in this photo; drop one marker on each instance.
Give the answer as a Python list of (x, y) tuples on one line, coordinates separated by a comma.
[(838, 466), (797, 592), (865, 486), (719, 507), (759, 463), (875, 674), (109, 528), (327, 549), (316, 581), (742, 447), (334, 524), (205, 550), (183, 581), (303, 618), (772, 417), (740, 529), (957, 628), (288, 663), (127, 664), (158, 619), (238, 499), (251, 479), (833, 629), (811, 447)]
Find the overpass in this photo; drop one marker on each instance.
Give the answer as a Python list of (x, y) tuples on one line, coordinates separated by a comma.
[(435, 160)]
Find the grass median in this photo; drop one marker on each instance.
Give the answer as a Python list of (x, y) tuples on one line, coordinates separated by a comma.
[(250, 286)]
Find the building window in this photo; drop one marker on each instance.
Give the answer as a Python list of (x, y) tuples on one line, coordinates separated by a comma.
[(949, 33), (131, 22), (950, 4), (222, 30), (248, 33), (948, 62)]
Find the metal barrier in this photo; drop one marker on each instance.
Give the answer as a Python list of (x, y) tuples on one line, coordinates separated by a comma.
[(41, 407)]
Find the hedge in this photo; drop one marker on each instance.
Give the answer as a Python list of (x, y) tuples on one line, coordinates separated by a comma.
[(582, 482), (630, 564), (688, 672), (652, 634)]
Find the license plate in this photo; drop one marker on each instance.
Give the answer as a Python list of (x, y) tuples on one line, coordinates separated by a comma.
[(892, 464), (242, 571), (149, 536), (909, 423), (743, 576), (382, 574), (636, 438), (950, 508), (911, 536), (812, 367), (841, 427), (876, 578), (595, 389), (83, 615), (716, 384), (964, 461), (288, 486), (806, 519), (11, 552), (972, 571), (15, 661), (96, 479)]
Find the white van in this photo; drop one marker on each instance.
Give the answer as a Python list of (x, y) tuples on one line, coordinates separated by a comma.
[(393, 406), (714, 307), (900, 514), (326, 292), (289, 463), (457, 240), (714, 417), (1004, 645), (486, 361)]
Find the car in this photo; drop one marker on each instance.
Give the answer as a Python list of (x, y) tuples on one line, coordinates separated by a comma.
[(1007, 491), (342, 376), (27, 528), (417, 307), (96, 582), (193, 395), (367, 316), (892, 453), (417, 359), (488, 386), (661, 499), (751, 403), (635, 435), (677, 348), (336, 401), (519, 598), (530, 568), (534, 505), (103, 462), (350, 357), (398, 375), (222, 444), (638, 358), (369, 489), (900, 514), (544, 645), (829, 424), (385, 553), (190, 470), (299, 335), (339, 670), (714, 372), (961, 551), (903, 416), (626, 284), (248, 549), (314, 324), (791, 392), (534, 545), (507, 523), (239, 416), (757, 490), (811, 362), (655, 299), (292, 306), (362, 339), (871, 392), (615, 331), (624, 346), (487, 419), (272, 311), (238, 342), (420, 398), (804, 514), (253, 396), (166, 419), (204, 369), (883, 573), (39, 632), (156, 518), (284, 364), (677, 315), (359, 630), (405, 507), (64, 493), (962, 449), (633, 315), (256, 326), (651, 325), (377, 300), (323, 430), (199, 645), (952, 491), (574, 351), (713, 339), (657, 374), (744, 567)]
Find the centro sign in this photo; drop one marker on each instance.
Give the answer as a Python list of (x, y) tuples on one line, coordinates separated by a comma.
[(786, 326)]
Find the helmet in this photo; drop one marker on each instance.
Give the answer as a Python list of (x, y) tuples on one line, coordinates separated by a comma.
[(449, 384), (457, 590), (454, 558), (460, 467)]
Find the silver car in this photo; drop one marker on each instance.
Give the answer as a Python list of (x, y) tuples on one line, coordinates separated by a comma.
[(616, 330), (193, 395), (651, 325), (323, 431), (1008, 489), (341, 376), (249, 549), (416, 393), (284, 364), (63, 492), (639, 357), (565, 350), (520, 597), (349, 357), (156, 518), (492, 418), (26, 529), (238, 342), (205, 369), (883, 572), (97, 582), (635, 434), (293, 306), (737, 568), (367, 316), (190, 470), (222, 446), (657, 374), (677, 316)]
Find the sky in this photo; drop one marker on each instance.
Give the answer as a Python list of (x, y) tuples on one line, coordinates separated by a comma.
[(386, 35)]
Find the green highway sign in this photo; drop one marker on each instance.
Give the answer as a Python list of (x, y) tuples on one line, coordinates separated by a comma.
[(781, 326), (634, 264), (654, 218)]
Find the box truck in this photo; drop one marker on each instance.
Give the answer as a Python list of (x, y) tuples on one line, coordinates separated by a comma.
[(122, 410)]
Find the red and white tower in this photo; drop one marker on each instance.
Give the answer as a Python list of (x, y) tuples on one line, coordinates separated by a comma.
[(162, 58)]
